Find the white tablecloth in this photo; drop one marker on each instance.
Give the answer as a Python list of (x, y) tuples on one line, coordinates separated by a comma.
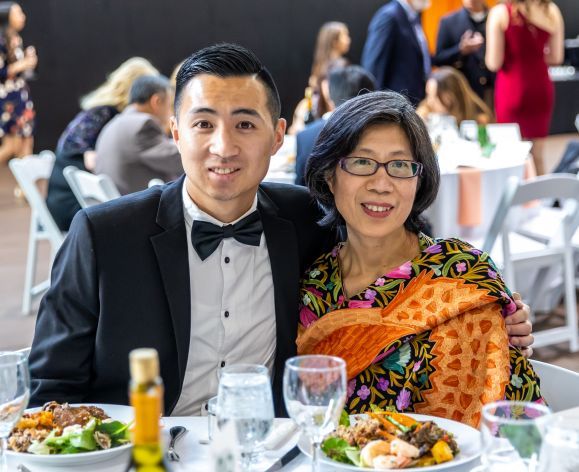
[(444, 212)]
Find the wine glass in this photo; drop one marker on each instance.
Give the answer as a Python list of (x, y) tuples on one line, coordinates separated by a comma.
[(314, 390), (244, 397), (14, 394), (560, 449), (512, 434)]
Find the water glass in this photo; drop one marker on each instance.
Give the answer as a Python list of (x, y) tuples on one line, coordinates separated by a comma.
[(14, 395), (314, 389), (245, 398), (211, 417), (560, 450), (512, 435)]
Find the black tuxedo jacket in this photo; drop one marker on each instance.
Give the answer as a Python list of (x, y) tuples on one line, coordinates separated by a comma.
[(451, 29), (393, 55), (121, 281)]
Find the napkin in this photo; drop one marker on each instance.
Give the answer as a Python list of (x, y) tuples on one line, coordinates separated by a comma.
[(469, 199), (282, 431)]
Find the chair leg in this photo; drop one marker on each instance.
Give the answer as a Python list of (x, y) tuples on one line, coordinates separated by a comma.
[(571, 301), (30, 264)]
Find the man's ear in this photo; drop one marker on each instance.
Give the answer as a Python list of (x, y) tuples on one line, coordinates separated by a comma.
[(279, 134), (174, 129)]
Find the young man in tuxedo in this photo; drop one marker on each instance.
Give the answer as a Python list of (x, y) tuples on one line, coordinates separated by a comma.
[(204, 269)]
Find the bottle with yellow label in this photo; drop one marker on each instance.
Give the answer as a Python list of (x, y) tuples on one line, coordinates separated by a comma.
[(146, 396)]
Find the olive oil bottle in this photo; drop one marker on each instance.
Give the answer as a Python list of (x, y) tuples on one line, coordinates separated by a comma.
[(146, 396)]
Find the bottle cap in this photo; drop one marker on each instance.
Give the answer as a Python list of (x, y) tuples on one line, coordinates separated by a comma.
[(144, 365)]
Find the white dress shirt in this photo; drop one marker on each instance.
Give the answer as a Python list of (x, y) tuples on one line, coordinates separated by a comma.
[(232, 311)]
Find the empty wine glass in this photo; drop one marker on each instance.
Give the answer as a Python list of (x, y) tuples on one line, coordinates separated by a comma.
[(314, 390), (245, 399), (14, 394), (512, 435)]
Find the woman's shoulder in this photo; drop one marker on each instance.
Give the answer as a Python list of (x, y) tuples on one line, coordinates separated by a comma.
[(450, 245)]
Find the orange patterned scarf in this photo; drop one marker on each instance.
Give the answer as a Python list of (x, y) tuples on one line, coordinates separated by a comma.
[(471, 349)]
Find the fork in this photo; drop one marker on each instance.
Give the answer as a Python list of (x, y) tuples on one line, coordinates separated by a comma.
[(175, 432), (23, 468)]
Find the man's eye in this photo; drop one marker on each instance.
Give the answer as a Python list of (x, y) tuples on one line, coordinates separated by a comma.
[(202, 124), (246, 125)]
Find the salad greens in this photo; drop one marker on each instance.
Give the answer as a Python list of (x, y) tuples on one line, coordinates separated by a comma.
[(339, 450), (96, 434)]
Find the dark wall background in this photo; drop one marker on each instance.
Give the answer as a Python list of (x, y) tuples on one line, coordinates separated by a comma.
[(80, 41)]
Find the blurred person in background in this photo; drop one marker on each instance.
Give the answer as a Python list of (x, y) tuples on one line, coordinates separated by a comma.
[(344, 83), (77, 143), (524, 37), (396, 52), (461, 43), (133, 147), (448, 93), (16, 65), (332, 45)]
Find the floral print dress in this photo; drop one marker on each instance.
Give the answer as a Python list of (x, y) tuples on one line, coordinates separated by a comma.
[(400, 374)]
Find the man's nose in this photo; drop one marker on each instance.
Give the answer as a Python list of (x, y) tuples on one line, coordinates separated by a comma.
[(223, 143)]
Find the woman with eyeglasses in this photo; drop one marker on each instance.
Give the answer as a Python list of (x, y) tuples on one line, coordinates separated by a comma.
[(419, 321)]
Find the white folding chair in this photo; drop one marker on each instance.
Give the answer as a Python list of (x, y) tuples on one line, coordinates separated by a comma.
[(154, 182), (28, 171), (527, 264), (90, 189), (503, 132), (559, 386)]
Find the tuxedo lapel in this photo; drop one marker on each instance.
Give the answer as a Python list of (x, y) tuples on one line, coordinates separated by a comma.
[(170, 248), (282, 246)]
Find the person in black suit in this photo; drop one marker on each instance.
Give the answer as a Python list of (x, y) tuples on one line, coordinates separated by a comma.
[(344, 83), (204, 269), (461, 44), (396, 52)]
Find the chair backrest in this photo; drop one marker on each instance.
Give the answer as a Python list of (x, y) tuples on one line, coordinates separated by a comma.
[(554, 186), (503, 132), (154, 182), (90, 189), (28, 171), (559, 386)]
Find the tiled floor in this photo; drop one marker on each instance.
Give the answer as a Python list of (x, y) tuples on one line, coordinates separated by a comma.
[(16, 330)]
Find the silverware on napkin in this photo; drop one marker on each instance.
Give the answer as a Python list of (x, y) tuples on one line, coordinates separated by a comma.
[(283, 460), (175, 432)]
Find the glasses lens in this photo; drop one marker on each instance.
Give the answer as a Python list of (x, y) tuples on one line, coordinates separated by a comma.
[(403, 169), (359, 165)]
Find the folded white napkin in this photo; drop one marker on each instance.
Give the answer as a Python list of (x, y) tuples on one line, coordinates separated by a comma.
[(282, 431)]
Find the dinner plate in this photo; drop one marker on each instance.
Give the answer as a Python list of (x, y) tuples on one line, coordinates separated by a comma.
[(467, 438), (116, 412)]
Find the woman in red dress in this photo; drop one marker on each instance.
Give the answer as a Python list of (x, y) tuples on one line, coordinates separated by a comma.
[(524, 37)]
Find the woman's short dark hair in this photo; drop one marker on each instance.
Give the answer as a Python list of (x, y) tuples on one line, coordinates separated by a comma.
[(227, 60), (341, 134)]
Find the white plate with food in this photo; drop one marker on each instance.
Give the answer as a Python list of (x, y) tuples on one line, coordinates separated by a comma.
[(69, 435), (369, 446)]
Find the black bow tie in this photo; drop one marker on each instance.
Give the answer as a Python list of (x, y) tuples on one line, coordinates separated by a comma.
[(206, 237)]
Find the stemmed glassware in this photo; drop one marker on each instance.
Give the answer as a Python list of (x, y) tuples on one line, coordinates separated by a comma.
[(245, 399), (512, 435), (314, 389), (14, 395)]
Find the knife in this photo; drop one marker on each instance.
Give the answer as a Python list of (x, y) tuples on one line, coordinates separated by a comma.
[(283, 460)]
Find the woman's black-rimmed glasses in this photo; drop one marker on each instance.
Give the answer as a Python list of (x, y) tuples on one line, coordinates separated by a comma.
[(365, 166)]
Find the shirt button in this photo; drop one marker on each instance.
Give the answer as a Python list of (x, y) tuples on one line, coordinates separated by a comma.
[(226, 314), (222, 363), (227, 260)]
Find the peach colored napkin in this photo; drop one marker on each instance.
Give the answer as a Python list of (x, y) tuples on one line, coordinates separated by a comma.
[(469, 196)]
